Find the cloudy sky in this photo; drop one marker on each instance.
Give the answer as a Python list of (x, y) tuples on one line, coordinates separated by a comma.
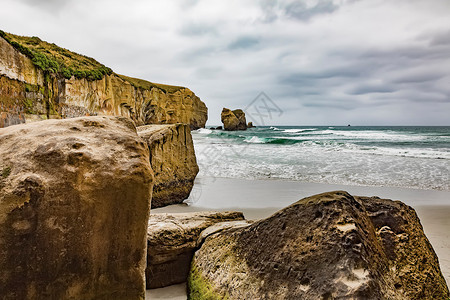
[(322, 62)]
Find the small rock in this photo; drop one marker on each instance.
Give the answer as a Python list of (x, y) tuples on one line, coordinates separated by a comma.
[(173, 238)]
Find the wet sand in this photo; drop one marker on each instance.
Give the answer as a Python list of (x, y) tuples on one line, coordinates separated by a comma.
[(261, 198)]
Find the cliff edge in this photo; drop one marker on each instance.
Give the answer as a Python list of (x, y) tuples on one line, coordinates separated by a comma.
[(39, 80)]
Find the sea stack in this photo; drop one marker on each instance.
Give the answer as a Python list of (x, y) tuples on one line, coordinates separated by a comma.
[(233, 120)]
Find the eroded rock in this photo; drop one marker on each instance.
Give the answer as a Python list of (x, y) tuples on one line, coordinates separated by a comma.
[(173, 238), (173, 161), (328, 246), (74, 204), (233, 120)]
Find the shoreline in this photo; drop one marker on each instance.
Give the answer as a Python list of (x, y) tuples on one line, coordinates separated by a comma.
[(259, 199)]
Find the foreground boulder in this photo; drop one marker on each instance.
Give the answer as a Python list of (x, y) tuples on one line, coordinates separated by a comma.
[(328, 246), (233, 120), (74, 203), (172, 158), (173, 238)]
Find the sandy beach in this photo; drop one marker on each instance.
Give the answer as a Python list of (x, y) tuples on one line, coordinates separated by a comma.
[(261, 198)]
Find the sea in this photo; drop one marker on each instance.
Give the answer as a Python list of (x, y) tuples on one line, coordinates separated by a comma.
[(390, 156)]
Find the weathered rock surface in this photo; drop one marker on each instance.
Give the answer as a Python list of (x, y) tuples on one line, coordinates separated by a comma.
[(25, 92), (74, 204), (250, 125), (328, 246), (173, 161), (233, 120), (173, 238)]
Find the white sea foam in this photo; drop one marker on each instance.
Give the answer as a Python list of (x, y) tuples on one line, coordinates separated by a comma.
[(298, 130), (327, 158), (255, 140), (375, 135), (203, 131)]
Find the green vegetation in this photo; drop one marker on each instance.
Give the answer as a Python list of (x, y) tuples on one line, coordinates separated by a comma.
[(200, 289), (31, 88), (147, 85), (54, 59), (6, 172)]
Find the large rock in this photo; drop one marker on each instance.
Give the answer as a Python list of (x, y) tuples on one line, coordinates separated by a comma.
[(74, 203), (26, 94), (328, 246), (233, 120), (173, 238), (173, 161)]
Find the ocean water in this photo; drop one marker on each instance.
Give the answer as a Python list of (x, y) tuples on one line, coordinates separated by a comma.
[(411, 157)]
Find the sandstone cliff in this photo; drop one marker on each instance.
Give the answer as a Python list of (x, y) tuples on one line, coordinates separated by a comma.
[(172, 158), (74, 204), (45, 87), (328, 246)]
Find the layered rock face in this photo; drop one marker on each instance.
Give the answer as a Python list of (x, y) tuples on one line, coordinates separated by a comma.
[(28, 93), (328, 246), (172, 158), (173, 238), (74, 203), (233, 120)]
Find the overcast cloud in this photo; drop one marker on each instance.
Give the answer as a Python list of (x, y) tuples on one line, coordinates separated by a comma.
[(323, 62)]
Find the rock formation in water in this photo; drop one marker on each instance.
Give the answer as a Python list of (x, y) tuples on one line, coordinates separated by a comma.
[(172, 158), (250, 125), (39, 81), (173, 238), (233, 120), (328, 246), (74, 204)]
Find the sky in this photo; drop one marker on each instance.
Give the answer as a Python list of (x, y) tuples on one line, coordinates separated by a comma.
[(318, 62)]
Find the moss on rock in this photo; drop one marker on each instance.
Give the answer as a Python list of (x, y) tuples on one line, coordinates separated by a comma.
[(201, 289), (6, 172)]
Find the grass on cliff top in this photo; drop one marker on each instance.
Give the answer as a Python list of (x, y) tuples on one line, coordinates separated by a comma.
[(147, 85), (54, 59)]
